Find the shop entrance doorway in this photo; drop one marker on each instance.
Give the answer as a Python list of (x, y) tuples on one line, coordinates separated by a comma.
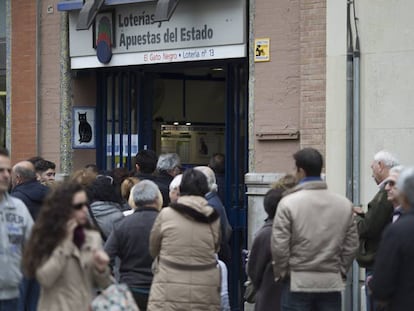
[(195, 110)]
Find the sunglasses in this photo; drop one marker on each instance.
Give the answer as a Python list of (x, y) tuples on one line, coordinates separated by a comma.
[(79, 206)]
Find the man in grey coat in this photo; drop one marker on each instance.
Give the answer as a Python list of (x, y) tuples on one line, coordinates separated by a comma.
[(314, 240), (15, 227)]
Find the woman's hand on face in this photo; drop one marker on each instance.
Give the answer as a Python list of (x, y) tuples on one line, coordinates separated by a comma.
[(70, 228), (100, 259)]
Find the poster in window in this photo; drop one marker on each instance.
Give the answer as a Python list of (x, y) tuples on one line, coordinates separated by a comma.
[(84, 134)]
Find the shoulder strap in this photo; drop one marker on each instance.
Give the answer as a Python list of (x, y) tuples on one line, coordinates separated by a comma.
[(96, 223)]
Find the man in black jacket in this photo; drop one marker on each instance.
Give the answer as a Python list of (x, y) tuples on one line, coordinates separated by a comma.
[(26, 187), (393, 279), (379, 214)]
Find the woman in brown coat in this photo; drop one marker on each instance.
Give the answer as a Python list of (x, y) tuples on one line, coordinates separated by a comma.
[(184, 239), (64, 253)]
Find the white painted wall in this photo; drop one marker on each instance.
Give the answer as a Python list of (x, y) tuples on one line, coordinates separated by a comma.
[(387, 73), (336, 96)]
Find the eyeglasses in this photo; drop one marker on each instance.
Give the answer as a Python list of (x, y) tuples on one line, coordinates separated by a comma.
[(390, 183), (79, 206), (111, 180)]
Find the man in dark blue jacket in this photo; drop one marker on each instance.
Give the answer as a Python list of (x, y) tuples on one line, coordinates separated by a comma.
[(27, 188)]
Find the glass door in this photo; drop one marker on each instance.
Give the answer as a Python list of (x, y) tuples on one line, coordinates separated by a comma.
[(117, 108)]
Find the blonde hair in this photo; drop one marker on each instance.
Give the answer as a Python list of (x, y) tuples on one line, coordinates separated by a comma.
[(127, 185), (84, 177), (284, 183)]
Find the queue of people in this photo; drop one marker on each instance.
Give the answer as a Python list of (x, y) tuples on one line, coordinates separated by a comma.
[(72, 239), (61, 243), (301, 256)]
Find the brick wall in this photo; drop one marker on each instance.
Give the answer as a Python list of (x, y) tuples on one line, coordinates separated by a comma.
[(49, 121), (277, 83), (23, 80), (289, 91), (313, 73)]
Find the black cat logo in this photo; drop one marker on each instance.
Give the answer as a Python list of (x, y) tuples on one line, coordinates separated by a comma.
[(85, 129)]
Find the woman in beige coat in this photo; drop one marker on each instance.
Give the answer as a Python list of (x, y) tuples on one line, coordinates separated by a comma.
[(64, 253), (184, 240)]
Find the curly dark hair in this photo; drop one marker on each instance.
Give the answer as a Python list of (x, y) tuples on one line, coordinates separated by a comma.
[(50, 227)]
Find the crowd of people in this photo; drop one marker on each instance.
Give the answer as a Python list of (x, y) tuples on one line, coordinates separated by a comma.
[(63, 242), (164, 232)]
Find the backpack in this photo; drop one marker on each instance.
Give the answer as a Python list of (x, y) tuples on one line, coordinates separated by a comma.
[(116, 297)]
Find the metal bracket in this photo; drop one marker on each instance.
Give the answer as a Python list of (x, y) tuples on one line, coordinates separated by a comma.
[(88, 13), (282, 134)]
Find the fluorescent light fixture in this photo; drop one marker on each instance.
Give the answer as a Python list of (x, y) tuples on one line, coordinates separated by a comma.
[(188, 123), (164, 10), (176, 123)]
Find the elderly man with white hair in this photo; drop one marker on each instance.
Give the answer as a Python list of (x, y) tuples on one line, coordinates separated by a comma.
[(215, 202), (168, 166), (393, 279), (379, 214), (129, 240), (390, 185)]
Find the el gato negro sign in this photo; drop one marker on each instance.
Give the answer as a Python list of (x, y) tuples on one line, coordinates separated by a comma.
[(206, 29)]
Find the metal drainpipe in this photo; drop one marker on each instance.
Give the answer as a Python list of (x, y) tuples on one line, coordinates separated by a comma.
[(356, 155), (353, 143), (65, 106)]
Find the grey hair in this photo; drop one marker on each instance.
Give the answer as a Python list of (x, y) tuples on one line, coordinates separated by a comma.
[(175, 183), (25, 173), (405, 184), (145, 192), (211, 177), (387, 158), (168, 161), (396, 169)]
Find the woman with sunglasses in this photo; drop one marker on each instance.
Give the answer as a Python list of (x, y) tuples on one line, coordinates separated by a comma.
[(64, 253)]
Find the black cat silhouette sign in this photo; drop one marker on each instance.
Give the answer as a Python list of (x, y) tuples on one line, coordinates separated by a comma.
[(83, 134)]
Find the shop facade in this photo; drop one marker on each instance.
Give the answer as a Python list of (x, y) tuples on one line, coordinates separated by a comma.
[(190, 84)]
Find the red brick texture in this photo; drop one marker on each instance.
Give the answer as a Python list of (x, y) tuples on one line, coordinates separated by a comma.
[(277, 83), (23, 80), (313, 73), (49, 93), (289, 91)]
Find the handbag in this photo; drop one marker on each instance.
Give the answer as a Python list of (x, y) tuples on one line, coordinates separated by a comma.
[(116, 297)]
